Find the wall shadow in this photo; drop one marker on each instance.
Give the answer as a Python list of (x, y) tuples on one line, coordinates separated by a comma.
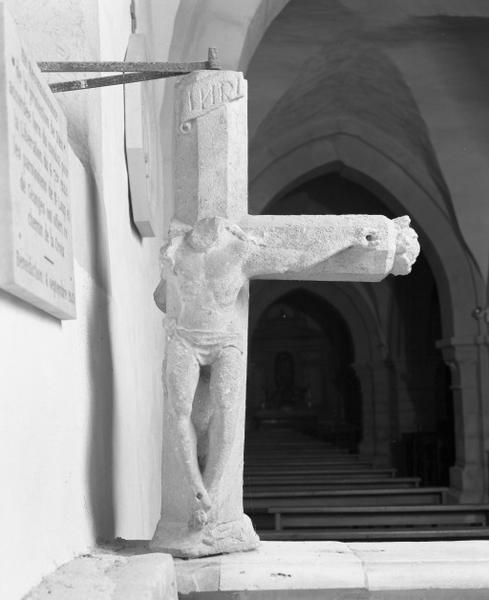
[(100, 463)]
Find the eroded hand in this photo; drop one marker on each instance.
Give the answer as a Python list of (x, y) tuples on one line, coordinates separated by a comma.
[(407, 247), (366, 237)]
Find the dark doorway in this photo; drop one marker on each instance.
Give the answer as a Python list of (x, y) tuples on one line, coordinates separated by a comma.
[(299, 372), (419, 398)]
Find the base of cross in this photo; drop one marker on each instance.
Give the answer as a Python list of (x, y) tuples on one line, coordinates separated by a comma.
[(213, 538)]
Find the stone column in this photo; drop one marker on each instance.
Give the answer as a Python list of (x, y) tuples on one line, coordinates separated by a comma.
[(406, 411), (382, 390), (374, 380), (367, 444), (468, 365)]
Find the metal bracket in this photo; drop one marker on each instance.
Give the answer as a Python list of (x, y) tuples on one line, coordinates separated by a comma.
[(131, 71)]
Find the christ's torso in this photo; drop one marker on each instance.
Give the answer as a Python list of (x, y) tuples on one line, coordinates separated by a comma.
[(208, 283)]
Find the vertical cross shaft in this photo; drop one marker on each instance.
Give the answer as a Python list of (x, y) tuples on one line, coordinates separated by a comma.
[(211, 173)]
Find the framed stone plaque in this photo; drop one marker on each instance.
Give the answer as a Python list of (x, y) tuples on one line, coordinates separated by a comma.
[(141, 144), (36, 249)]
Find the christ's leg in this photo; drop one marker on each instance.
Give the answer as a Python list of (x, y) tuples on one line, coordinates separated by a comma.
[(225, 387), (182, 377)]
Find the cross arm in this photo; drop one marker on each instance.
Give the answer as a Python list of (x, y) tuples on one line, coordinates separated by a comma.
[(328, 247)]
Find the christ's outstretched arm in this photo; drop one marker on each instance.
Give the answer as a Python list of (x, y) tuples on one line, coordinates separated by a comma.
[(294, 243)]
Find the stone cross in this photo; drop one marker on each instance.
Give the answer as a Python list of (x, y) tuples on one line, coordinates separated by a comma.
[(214, 248)]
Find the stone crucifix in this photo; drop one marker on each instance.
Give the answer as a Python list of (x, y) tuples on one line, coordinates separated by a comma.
[(214, 248)]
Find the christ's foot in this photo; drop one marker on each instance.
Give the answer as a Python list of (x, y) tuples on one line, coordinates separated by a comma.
[(198, 520), (203, 501), (201, 507)]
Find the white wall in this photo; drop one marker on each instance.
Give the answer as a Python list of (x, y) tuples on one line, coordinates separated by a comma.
[(80, 401)]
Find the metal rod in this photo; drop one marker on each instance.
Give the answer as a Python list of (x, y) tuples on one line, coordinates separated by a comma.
[(212, 59), (132, 72), (94, 82), (126, 67), (121, 67)]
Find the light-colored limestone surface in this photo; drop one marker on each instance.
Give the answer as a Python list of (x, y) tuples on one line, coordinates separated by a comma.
[(425, 565), (204, 294), (110, 576), (364, 570), (214, 248)]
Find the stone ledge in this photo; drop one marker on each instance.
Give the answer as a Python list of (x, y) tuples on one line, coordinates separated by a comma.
[(462, 565), (414, 570), (278, 570), (107, 574)]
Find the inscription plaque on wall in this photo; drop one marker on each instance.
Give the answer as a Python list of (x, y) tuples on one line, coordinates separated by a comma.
[(36, 250)]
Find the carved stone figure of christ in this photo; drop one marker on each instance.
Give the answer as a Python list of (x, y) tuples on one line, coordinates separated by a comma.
[(214, 249)]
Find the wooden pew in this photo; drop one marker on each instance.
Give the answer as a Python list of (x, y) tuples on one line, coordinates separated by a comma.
[(306, 476), (278, 456), (339, 483), (302, 488), (377, 535), (296, 443), (355, 497), (284, 455), (368, 517), (284, 444), (256, 504), (306, 468), (300, 461)]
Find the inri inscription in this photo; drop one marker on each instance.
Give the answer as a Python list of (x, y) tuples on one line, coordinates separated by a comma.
[(36, 251), (209, 95)]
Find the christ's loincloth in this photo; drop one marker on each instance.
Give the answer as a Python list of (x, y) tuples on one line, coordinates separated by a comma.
[(206, 345)]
